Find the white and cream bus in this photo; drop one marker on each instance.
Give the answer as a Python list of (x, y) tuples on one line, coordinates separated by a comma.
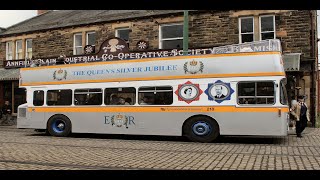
[(200, 97)]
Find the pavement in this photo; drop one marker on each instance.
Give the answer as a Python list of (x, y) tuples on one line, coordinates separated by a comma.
[(25, 149)]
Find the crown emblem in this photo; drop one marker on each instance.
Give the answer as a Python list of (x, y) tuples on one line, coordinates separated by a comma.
[(119, 120), (193, 63), (119, 116)]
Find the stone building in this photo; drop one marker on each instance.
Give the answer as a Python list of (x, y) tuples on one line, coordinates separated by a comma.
[(67, 32)]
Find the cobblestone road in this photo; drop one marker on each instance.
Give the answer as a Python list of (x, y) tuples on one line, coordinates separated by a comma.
[(23, 149)]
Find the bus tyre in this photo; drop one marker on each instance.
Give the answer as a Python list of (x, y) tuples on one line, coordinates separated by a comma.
[(201, 129), (59, 125)]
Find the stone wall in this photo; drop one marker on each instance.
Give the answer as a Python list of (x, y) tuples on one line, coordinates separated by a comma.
[(206, 29)]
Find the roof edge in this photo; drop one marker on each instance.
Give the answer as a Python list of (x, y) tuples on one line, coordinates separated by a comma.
[(77, 25)]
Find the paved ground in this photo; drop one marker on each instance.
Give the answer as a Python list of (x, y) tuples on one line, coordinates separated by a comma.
[(29, 150)]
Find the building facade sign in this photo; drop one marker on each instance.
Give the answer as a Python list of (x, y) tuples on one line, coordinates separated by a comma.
[(117, 49)]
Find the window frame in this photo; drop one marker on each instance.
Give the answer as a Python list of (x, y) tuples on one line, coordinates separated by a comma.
[(274, 26), (117, 34), (283, 92), (240, 34), (255, 93), (153, 91), (46, 97), (87, 37), (167, 39), (74, 93), (7, 52), (17, 53), (27, 53), (74, 43), (105, 97)]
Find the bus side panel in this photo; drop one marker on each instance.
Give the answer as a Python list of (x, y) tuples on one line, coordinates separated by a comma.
[(129, 123), (252, 123), (37, 120), (170, 123)]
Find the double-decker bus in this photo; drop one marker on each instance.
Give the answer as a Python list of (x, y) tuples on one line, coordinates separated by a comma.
[(199, 96)]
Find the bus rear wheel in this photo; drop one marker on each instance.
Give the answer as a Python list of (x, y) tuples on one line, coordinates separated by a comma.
[(59, 125), (201, 129)]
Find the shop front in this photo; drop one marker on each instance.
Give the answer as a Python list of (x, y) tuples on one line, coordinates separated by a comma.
[(9, 89)]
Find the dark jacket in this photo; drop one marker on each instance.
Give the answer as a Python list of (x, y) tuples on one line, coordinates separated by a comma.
[(221, 97), (6, 109), (296, 111)]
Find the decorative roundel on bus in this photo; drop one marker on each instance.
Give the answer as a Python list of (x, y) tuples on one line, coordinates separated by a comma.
[(188, 92), (219, 91), (193, 67), (60, 74)]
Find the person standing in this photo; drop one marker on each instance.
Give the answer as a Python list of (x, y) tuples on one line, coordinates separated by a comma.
[(301, 114), (293, 102), (7, 111)]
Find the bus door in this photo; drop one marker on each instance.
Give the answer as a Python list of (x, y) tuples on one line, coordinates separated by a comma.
[(37, 103)]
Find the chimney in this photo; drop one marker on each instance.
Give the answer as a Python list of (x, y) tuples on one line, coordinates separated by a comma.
[(42, 11)]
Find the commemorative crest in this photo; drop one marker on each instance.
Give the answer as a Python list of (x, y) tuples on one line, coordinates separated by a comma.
[(193, 67), (119, 120), (188, 92), (219, 91), (60, 74), (113, 45)]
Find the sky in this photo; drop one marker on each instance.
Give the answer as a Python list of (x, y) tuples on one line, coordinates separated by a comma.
[(11, 17)]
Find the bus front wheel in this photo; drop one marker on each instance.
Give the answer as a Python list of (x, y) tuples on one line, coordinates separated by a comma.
[(59, 125), (201, 129)]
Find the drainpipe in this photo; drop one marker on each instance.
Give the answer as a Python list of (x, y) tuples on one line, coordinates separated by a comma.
[(313, 99), (317, 122), (312, 35), (185, 32)]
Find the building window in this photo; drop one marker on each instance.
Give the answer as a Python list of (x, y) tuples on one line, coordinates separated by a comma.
[(246, 29), (91, 38), (171, 36), (120, 96), (267, 27), (159, 95), (19, 49), (77, 44), (256, 92), (88, 97), (29, 48), (9, 52), (123, 33), (59, 97)]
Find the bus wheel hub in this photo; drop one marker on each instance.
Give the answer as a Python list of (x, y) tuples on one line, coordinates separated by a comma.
[(201, 128), (61, 126)]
